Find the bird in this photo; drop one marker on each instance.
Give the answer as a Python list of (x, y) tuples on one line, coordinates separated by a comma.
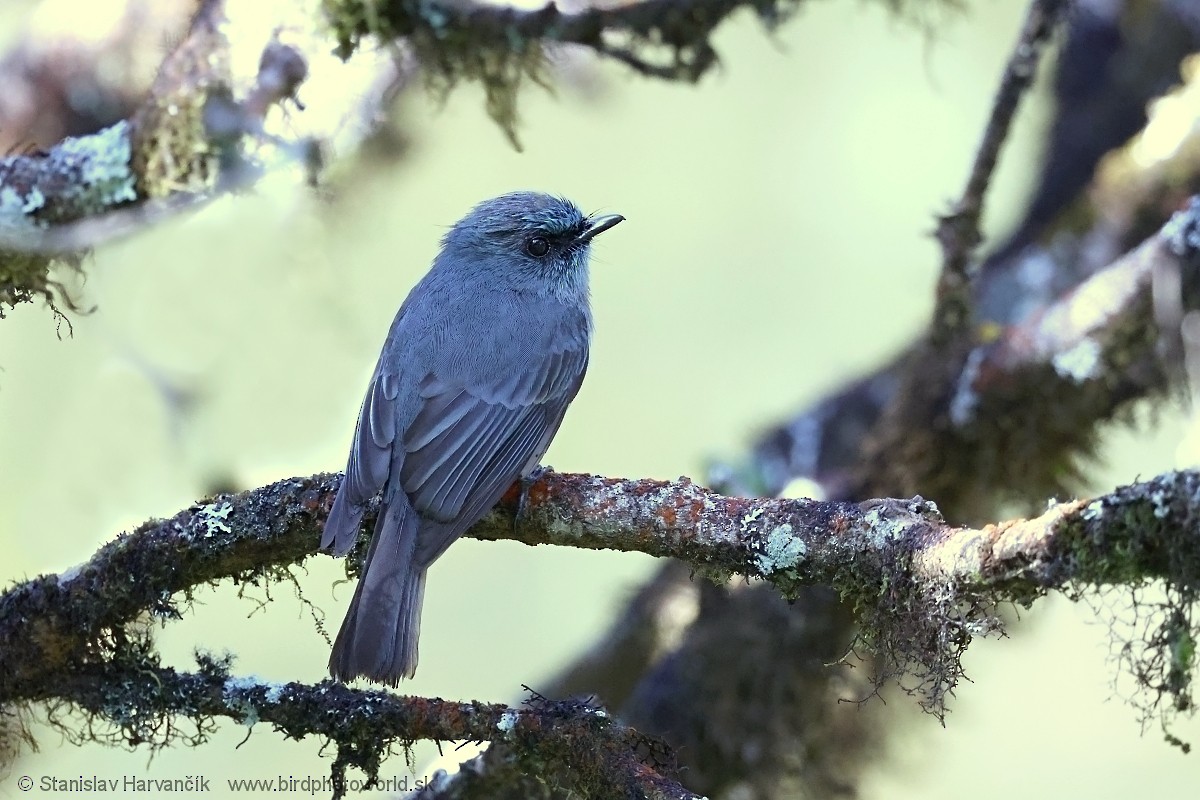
[(472, 383)]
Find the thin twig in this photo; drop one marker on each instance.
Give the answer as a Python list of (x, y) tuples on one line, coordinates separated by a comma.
[(958, 229)]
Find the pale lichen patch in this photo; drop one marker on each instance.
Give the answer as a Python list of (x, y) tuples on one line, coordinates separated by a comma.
[(1093, 511), (884, 528), (508, 720), (1079, 363), (784, 550), (1160, 497), (214, 518), (750, 519), (234, 695)]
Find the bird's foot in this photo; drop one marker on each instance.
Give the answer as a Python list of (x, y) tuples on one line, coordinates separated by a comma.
[(527, 482)]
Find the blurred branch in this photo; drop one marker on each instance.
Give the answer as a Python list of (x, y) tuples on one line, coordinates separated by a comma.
[(181, 146), (1115, 61), (942, 424), (501, 46), (990, 418), (62, 78), (958, 230), (599, 757), (653, 621), (506, 33)]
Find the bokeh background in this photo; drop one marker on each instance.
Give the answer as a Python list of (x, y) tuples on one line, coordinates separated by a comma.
[(776, 245)]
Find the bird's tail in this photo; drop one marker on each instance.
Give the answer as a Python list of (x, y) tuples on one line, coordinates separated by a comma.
[(378, 639)]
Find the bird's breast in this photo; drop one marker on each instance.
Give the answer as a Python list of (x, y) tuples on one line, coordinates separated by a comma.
[(490, 340)]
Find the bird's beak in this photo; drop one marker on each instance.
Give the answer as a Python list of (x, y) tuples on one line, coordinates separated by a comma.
[(599, 225)]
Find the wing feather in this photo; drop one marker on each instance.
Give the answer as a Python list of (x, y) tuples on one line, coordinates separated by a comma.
[(369, 463), (380, 412), (371, 450), (437, 415), (456, 469), (434, 464), (501, 470), (456, 492)]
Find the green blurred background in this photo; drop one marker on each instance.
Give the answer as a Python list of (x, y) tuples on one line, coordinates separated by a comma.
[(776, 245)]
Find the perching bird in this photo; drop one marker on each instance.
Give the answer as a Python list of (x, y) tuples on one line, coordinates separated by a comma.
[(478, 369)]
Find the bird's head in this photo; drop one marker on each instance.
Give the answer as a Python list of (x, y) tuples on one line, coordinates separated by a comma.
[(527, 240)]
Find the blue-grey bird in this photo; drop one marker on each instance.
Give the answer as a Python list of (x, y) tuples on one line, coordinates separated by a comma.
[(478, 369)]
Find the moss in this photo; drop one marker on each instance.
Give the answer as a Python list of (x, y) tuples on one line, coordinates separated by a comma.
[(172, 148), (1138, 551), (24, 277), (500, 68)]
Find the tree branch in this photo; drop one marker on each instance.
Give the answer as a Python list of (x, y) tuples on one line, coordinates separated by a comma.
[(501, 46), (958, 230), (938, 425), (181, 146), (575, 743), (923, 588), (1027, 432), (183, 143), (681, 28)]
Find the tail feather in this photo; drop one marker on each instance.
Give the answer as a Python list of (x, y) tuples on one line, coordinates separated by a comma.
[(378, 638)]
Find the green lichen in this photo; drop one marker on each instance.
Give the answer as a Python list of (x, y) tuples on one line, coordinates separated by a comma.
[(100, 170), (783, 551)]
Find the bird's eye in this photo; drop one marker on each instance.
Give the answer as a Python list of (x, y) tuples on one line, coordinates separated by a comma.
[(537, 246)]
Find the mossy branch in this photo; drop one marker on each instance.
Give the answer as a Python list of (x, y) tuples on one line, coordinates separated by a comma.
[(578, 744), (180, 147), (500, 46), (922, 588), (184, 141), (630, 32)]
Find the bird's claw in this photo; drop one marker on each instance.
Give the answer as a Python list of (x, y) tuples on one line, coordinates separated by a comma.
[(527, 482)]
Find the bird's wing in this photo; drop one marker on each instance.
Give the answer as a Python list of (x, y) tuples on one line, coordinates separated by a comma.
[(467, 445), (371, 451), (369, 463)]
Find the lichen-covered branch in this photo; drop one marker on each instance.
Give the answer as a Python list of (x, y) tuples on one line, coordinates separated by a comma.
[(909, 573), (1010, 417), (1034, 400), (183, 142), (577, 745)]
